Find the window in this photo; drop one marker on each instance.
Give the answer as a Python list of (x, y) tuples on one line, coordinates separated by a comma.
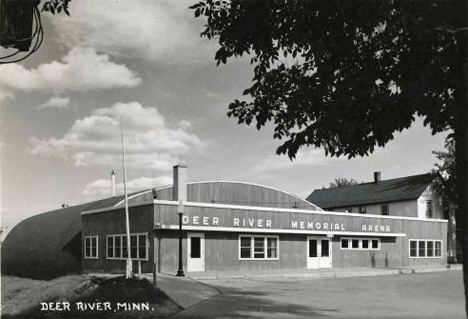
[(312, 247), (360, 244), (365, 244), (245, 249), (272, 247), (344, 243), (117, 247), (430, 249), (423, 248), (413, 248), (258, 247), (384, 209), (375, 244), (362, 209), (429, 209), (90, 247), (438, 248)]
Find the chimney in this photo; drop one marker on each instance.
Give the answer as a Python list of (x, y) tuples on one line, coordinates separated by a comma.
[(376, 177), (113, 183), (179, 186)]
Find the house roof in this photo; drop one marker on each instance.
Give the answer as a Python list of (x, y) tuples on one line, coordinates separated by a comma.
[(398, 189)]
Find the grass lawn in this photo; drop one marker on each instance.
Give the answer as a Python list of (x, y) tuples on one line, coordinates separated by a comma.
[(22, 297)]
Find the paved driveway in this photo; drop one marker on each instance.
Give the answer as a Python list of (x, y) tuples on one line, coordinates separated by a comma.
[(430, 295)]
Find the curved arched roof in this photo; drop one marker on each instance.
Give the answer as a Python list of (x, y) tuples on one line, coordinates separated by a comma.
[(48, 245), (230, 193)]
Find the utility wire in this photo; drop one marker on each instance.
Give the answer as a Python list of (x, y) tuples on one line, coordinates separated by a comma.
[(38, 34)]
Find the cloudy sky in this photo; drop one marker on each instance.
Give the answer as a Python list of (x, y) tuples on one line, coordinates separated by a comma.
[(144, 60)]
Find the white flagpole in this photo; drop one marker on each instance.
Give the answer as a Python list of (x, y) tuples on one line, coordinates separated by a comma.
[(129, 270)]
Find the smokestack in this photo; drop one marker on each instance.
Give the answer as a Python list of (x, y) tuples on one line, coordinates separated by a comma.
[(376, 177), (113, 183), (179, 188)]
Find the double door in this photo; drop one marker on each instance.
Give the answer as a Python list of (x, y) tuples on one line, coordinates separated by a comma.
[(319, 252)]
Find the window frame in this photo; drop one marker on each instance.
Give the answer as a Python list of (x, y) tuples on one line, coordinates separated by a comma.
[(429, 209), (252, 246), (123, 244), (387, 212), (362, 209), (434, 250), (360, 246), (91, 237)]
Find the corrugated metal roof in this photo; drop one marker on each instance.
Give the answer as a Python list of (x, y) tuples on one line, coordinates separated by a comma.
[(398, 189), (48, 245)]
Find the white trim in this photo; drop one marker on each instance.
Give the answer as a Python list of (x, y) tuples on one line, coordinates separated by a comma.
[(123, 244), (252, 246), (425, 249), (350, 246), (274, 209), (133, 196), (269, 209), (278, 231), (91, 247)]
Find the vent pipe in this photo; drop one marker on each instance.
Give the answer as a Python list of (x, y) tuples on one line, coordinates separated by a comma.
[(376, 177), (113, 183)]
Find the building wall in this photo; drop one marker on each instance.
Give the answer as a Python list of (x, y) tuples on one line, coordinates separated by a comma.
[(437, 210), (408, 208), (222, 246), (222, 251), (113, 222)]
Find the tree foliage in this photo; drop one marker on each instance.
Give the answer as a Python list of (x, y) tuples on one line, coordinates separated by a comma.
[(446, 183), (343, 75), (343, 182), (56, 6)]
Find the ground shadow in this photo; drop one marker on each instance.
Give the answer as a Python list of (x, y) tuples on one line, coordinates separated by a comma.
[(250, 303)]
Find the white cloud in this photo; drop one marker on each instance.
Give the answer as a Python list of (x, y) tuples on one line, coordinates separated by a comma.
[(304, 157), (55, 102), (82, 69), (102, 187), (156, 30), (150, 142)]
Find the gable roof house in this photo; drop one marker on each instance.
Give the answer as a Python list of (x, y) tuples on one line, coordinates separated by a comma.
[(410, 196)]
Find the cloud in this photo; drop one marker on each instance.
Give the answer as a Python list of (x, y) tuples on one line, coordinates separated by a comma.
[(55, 102), (304, 157), (102, 187), (82, 69), (157, 30), (151, 142)]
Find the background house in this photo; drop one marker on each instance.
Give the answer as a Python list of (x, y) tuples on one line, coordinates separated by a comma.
[(411, 196)]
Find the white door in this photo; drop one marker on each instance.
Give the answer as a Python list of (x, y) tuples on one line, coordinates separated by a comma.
[(195, 252), (318, 253)]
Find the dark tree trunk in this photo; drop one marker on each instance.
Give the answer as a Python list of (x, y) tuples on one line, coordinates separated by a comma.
[(461, 156)]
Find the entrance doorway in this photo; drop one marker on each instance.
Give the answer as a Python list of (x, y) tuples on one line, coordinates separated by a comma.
[(195, 252), (319, 253)]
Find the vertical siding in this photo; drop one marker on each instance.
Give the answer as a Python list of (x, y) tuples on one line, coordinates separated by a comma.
[(113, 222), (235, 193)]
